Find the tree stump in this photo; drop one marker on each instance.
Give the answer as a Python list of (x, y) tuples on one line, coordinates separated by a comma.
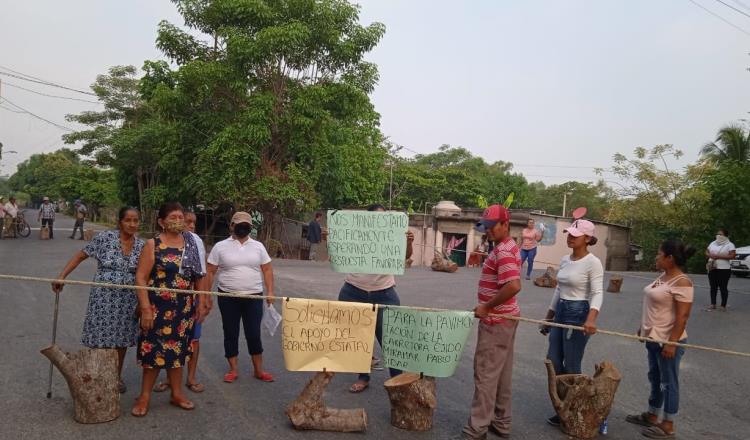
[(549, 279), (88, 234), (309, 411), (442, 264), (615, 284), (92, 378), (44, 233), (583, 402), (413, 401)]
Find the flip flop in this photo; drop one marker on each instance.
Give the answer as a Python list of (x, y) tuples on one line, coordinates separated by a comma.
[(639, 419), (140, 409), (657, 432), (121, 387), (195, 387), (358, 387), (230, 377), (265, 377), (182, 404), (161, 387)]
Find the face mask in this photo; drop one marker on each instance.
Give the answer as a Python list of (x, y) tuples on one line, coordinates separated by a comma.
[(175, 226), (242, 230)]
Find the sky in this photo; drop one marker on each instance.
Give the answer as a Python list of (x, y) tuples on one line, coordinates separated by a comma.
[(555, 87)]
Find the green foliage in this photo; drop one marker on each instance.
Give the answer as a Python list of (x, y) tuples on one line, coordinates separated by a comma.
[(729, 189), (595, 197), (732, 144)]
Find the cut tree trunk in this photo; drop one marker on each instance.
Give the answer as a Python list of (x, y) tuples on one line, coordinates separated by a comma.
[(582, 402), (413, 401), (309, 411), (615, 284), (440, 263), (92, 379), (549, 279), (88, 234)]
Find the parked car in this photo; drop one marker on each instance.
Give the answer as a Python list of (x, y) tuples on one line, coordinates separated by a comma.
[(741, 263)]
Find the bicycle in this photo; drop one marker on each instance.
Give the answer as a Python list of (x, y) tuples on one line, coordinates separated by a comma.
[(22, 226)]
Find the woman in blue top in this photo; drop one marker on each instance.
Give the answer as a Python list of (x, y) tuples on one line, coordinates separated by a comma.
[(110, 317)]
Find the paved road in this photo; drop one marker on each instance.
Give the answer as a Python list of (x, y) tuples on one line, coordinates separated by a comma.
[(715, 387)]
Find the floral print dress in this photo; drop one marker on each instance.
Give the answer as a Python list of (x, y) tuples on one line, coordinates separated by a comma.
[(110, 316), (167, 344)]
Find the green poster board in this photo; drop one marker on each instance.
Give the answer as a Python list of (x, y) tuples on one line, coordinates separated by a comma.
[(424, 342), (367, 241)]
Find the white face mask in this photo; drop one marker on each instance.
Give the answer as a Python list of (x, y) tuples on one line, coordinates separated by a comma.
[(720, 239)]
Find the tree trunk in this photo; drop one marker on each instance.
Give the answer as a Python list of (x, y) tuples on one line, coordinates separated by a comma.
[(92, 379), (549, 279), (440, 263), (615, 284), (309, 411), (413, 401), (583, 402)]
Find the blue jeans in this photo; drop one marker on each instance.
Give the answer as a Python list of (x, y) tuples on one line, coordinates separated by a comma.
[(528, 256), (385, 297), (566, 346), (663, 374)]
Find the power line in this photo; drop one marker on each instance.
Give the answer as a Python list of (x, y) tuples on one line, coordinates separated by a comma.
[(741, 4), (10, 109), (734, 9), (720, 17), (62, 127), (46, 83), (51, 96)]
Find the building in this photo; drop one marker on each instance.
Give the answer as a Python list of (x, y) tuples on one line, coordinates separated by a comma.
[(448, 223)]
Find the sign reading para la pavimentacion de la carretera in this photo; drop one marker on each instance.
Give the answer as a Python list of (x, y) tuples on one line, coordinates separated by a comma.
[(367, 241), (332, 335), (425, 341)]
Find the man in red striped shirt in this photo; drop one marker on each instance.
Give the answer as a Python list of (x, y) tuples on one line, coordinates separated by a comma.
[(493, 359)]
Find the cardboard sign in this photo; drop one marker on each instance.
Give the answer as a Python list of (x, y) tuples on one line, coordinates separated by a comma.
[(425, 342), (332, 335), (367, 241)]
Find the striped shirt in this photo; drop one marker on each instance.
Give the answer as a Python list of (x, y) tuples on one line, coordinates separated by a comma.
[(501, 266)]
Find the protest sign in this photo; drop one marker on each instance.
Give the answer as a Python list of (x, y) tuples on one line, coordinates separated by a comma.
[(332, 335), (424, 341), (367, 241)]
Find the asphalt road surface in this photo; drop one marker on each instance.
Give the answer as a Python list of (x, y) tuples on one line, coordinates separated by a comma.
[(715, 388)]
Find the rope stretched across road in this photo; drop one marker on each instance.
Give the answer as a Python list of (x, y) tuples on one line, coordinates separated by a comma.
[(428, 309)]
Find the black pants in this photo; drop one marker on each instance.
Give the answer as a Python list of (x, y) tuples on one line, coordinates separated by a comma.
[(78, 225), (48, 223), (250, 312), (718, 279)]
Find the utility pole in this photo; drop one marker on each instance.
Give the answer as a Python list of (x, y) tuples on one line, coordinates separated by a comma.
[(565, 203), (390, 190)]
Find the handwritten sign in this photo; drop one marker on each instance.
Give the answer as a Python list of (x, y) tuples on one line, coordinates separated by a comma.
[(332, 335), (425, 342), (367, 241)]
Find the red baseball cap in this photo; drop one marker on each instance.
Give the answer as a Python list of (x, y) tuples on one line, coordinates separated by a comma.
[(493, 215)]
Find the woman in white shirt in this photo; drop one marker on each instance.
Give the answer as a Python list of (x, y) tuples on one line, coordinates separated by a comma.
[(576, 301), (719, 253), (243, 267)]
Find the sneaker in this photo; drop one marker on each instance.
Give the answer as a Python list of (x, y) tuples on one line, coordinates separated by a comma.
[(497, 432), (528, 277), (554, 420), (711, 308)]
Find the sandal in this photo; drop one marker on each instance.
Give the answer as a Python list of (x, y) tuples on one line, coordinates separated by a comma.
[(182, 404), (195, 387), (657, 432), (359, 386), (161, 387), (140, 409), (230, 377), (265, 377), (121, 387), (640, 419)]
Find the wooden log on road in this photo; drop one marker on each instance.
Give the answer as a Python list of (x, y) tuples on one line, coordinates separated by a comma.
[(548, 279), (615, 284), (309, 411), (413, 401), (92, 378), (583, 402)]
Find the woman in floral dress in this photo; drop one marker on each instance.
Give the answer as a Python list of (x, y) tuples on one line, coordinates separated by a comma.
[(110, 317), (169, 261)]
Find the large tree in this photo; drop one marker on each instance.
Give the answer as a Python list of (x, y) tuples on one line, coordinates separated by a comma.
[(732, 144)]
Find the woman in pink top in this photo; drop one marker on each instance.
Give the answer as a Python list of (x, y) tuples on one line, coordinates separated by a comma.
[(666, 308), (530, 238)]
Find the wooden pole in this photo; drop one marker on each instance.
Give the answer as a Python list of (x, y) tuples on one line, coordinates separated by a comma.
[(54, 340)]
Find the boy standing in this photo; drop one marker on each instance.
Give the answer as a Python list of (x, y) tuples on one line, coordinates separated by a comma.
[(493, 359)]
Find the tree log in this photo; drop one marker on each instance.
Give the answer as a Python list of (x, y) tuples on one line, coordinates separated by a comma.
[(549, 279), (441, 263), (615, 284), (309, 411), (88, 234), (583, 402), (413, 401), (92, 378)]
